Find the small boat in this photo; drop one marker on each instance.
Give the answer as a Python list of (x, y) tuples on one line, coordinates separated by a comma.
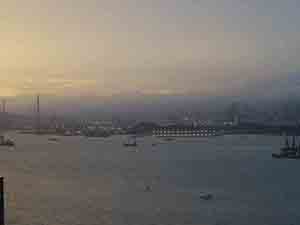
[(131, 142), (169, 139), (206, 196), (53, 139), (277, 155), (6, 142), (148, 188)]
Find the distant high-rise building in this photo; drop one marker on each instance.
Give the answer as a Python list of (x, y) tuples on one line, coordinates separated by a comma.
[(4, 120), (3, 106)]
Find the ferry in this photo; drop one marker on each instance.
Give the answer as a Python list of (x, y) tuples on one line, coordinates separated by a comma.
[(170, 132)]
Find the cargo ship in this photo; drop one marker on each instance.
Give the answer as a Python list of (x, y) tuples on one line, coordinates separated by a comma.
[(289, 151)]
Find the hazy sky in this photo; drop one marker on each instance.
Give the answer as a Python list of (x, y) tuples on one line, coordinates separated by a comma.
[(164, 47)]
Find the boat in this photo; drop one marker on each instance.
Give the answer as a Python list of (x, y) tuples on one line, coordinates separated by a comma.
[(53, 139), (169, 139), (148, 188), (131, 142), (206, 196), (289, 151), (178, 131), (6, 142)]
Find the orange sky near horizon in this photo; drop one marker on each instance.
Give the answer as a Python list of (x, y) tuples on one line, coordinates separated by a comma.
[(101, 47)]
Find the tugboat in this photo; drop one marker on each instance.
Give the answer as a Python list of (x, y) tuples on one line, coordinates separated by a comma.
[(6, 142), (131, 142), (288, 151)]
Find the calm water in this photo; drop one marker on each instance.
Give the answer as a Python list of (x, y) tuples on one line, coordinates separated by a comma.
[(97, 181)]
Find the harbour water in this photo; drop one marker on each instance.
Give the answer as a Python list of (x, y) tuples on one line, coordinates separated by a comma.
[(79, 180)]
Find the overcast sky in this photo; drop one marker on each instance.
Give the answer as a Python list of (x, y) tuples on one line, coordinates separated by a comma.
[(158, 47)]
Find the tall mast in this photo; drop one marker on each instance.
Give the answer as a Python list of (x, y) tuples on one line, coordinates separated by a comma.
[(287, 144), (38, 116), (294, 141)]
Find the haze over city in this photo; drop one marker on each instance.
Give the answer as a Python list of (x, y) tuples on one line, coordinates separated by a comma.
[(118, 112), (90, 52)]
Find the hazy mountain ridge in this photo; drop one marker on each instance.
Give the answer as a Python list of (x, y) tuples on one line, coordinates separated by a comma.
[(268, 95)]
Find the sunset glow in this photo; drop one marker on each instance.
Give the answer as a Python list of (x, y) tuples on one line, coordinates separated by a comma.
[(108, 47)]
